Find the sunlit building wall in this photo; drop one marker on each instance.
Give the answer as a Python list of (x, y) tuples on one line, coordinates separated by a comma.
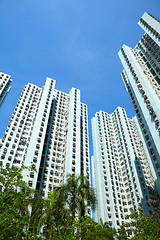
[(118, 165), (5, 82), (48, 131), (141, 76)]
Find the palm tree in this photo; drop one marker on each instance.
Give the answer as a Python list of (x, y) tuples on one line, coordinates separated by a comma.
[(37, 205), (54, 214), (79, 195), (57, 213), (104, 224)]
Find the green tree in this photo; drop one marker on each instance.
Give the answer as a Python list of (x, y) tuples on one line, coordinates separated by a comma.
[(55, 216), (91, 230), (25, 215), (38, 204), (15, 198), (104, 224), (83, 229), (141, 226), (79, 195)]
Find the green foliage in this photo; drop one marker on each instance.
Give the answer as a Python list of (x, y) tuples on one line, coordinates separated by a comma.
[(141, 227), (15, 198), (79, 195), (58, 215), (92, 230), (25, 215), (82, 229), (54, 218)]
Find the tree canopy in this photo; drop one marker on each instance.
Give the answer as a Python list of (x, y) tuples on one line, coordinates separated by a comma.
[(15, 199), (141, 226), (24, 214)]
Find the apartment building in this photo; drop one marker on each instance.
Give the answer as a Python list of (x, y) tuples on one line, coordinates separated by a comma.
[(48, 131), (141, 76), (121, 174), (5, 82)]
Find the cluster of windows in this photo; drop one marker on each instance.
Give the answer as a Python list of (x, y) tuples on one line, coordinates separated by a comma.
[(53, 155), (128, 149), (151, 51), (53, 159), (140, 88), (113, 168), (74, 145), (17, 135), (84, 141), (150, 28), (142, 157), (139, 113), (5, 82), (118, 143), (149, 62)]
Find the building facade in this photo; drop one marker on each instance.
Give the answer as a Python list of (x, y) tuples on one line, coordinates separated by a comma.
[(5, 82), (121, 174), (141, 76), (48, 131)]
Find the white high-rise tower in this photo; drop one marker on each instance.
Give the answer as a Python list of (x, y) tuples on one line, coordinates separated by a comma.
[(121, 173), (49, 132), (141, 76)]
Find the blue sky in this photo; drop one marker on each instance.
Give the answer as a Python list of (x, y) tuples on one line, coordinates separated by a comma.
[(75, 42)]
